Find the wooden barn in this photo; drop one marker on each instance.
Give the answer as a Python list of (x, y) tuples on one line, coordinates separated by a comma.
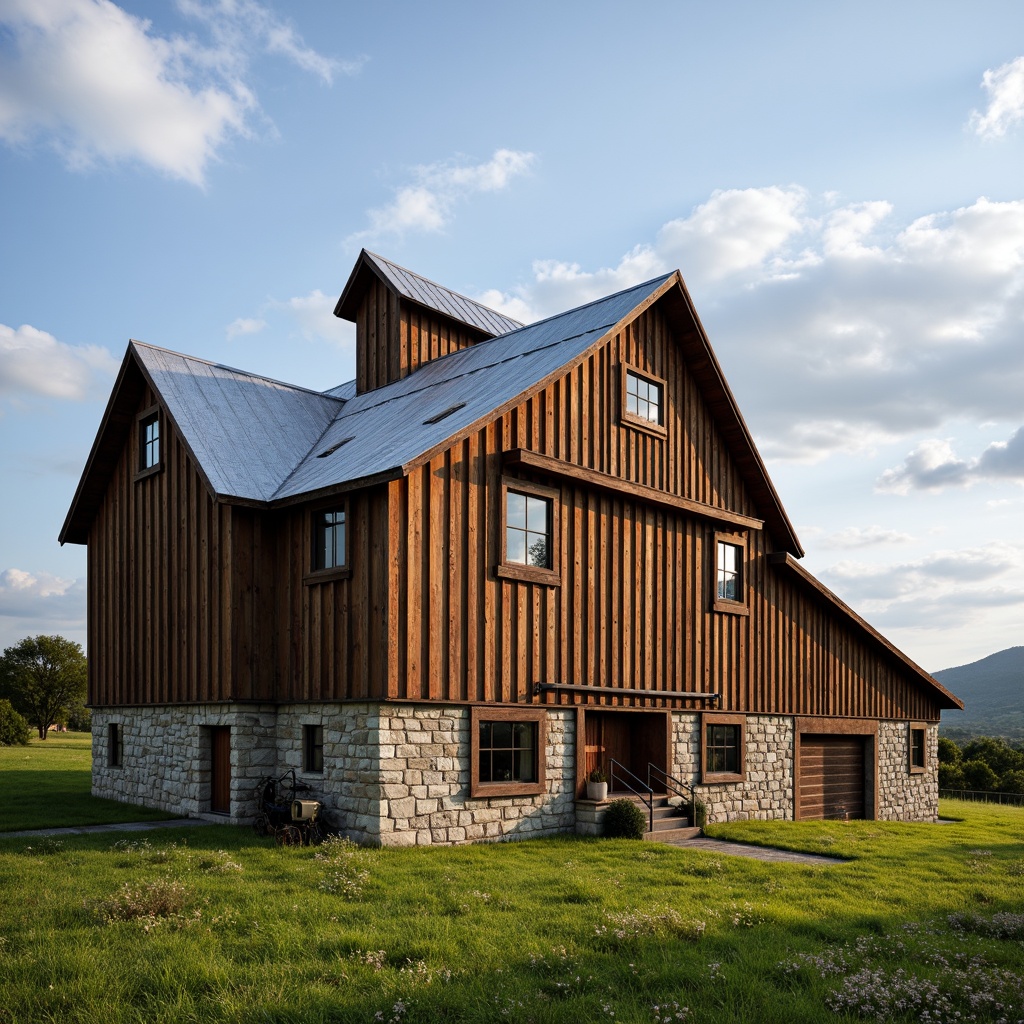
[(445, 592)]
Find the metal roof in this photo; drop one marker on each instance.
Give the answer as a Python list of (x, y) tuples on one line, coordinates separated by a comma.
[(246, 432), (424, 292)]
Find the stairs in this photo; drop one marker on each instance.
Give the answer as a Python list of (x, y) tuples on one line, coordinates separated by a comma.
[(670, 824)]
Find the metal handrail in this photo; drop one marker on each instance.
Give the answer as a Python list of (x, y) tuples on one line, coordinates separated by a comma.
[(683, 789), (648, 799)]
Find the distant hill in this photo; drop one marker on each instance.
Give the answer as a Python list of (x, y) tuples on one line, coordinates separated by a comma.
[(993, 694)]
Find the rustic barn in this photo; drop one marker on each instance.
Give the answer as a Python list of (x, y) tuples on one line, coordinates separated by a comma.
[(445, 592)]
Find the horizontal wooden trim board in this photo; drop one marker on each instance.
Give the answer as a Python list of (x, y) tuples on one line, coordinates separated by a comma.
[(640, 492), (618, 691)]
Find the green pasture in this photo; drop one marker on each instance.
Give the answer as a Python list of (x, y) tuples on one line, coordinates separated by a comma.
[(915, 922)]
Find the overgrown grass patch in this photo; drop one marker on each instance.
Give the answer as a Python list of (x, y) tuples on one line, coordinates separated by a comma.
[(215, 925), (48, 785)]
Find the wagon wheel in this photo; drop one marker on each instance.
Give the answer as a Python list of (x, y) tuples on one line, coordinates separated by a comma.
[(261, 826), (289, 835)]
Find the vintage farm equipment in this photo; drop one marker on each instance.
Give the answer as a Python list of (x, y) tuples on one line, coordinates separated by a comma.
[(284, 814)]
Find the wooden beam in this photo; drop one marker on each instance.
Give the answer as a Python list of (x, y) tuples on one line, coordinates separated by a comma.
[(617, 691), (639, 492)]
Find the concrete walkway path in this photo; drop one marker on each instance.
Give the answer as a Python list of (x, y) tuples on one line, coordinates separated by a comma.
[(124, 826), (769, 853)]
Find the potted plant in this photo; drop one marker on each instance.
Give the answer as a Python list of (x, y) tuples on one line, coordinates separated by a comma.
[(597, 785)]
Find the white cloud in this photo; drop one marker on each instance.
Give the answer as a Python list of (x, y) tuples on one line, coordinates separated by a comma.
[(34, 362), (314, 313), (934, 465), (838, 327), (1005, 88), (864, 537), (428, 203), (244, 325), (33, 603), (101, 87)]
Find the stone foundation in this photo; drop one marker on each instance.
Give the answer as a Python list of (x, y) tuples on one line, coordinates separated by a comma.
[(399, 774)]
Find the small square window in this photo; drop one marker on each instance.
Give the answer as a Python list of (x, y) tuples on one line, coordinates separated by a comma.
[(723, 758), (918, 748), (313, 749), (643, 397), (529, 532), (329, 550), (113, 745), (507, 750)]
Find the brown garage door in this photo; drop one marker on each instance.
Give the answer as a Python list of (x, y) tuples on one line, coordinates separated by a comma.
[(831, 776)]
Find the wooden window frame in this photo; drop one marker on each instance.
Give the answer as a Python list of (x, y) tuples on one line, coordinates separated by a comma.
[(716, 718), (552, 576), (115, 747), (721, 604), (489, 713), (632, 419), (334, 572), (313, 748), (922, 768), (144, 418)]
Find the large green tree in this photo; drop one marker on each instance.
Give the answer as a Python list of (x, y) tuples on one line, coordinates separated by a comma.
[(43, 677)]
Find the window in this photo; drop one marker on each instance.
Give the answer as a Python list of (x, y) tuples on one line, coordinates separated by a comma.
[(529, 532), (329, 550), (149, 442), (313, 749), (918, 748), (643, 401), (507, 747), (730, 583), (113, 745), (723, 754)]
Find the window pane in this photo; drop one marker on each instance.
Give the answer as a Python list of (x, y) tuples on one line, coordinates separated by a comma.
[(525, 770), (515, 546), (537, 515), (502, 762), (501, 734), (538, 551), (516, 511)]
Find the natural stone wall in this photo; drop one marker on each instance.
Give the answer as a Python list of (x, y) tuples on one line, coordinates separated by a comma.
[(901, 795), (767, 791)]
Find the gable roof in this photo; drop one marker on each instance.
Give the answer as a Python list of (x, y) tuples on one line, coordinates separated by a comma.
[(423, 292)]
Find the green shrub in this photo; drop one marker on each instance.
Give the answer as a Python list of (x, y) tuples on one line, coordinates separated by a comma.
[(13, 727), (624, 820)]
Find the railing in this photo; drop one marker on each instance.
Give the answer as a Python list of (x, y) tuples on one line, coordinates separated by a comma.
[(983, 796), (683, 789), (647, 796)]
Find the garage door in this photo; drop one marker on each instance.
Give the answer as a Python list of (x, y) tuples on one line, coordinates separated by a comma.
[(831, 776)]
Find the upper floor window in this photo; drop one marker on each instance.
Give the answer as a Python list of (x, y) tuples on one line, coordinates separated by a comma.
[(149, 441), (730, 570), (529, 532), (643, 401), (329, 551)]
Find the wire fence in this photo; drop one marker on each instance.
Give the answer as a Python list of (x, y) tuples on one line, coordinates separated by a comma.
[(983, 796)]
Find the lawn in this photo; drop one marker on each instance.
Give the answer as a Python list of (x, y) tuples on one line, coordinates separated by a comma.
[(216, 925), (47, 784)]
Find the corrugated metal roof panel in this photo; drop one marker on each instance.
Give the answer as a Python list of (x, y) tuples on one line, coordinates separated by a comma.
[(435, 296), (247, 432)]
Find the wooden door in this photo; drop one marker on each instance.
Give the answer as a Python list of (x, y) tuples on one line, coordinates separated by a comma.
[(220, 770), (831, 776)]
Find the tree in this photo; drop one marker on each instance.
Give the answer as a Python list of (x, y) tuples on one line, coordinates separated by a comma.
[(13, 727), (43, 677), (996, 753), (949, 752), (978, 775)]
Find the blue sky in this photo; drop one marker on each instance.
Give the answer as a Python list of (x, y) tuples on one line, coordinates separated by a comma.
[(841, 186)]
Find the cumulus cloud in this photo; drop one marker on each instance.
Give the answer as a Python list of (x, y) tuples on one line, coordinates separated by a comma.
[(33, 362), (314, 314), (32, 603), (1005, 88), (943, 590), (934, 465), (100, 86), (244, 325), (428, 202), (839, 327), (864, 537)]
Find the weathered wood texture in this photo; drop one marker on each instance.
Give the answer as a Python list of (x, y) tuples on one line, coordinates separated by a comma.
[(396, 337)]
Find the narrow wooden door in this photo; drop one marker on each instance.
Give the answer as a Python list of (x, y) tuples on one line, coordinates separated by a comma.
[(220, 769)]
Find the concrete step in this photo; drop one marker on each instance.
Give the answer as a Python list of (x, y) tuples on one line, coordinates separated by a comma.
[(668, 835), (670, 822)]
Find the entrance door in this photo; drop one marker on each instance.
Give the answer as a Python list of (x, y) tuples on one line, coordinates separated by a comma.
[(831, 776), (632, 738), (220, 769)]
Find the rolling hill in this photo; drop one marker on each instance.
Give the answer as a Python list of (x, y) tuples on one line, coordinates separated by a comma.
[(992, 690)]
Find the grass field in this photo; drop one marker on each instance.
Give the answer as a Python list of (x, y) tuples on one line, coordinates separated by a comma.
[(215, 925), (47, 784)]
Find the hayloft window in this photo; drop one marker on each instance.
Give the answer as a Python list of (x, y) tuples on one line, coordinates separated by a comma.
[(643, 401), (507, 748), (918, 748), (149, 442), (529, 532), (730, 573), (313, 749), (329, 535), (722, 748)]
